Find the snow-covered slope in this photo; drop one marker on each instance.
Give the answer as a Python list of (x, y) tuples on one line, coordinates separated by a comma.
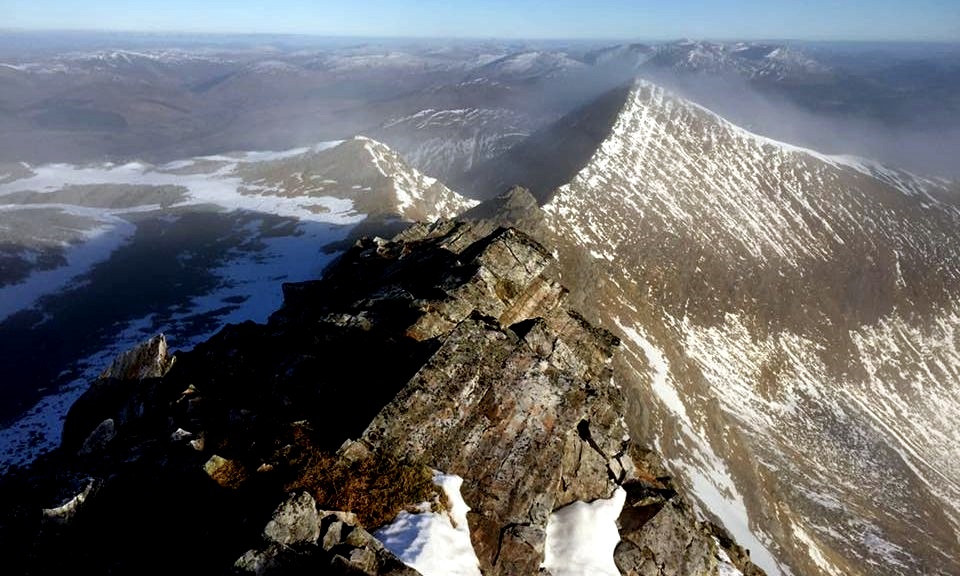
[(790, 318), (373, 177), (447, 143)]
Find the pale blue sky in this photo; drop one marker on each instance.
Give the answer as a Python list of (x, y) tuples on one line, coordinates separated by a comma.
[(641, 19)]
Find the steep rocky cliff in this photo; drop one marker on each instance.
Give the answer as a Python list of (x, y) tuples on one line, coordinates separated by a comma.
[(280, 448)]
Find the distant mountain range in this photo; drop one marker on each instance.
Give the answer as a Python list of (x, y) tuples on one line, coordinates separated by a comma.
[(163, 104)]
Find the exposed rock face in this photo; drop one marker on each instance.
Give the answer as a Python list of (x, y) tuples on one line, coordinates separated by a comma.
[(502, 398), (97, 415), (451, 347), (148, 360)]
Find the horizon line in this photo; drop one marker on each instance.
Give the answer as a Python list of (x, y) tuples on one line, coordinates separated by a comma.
[(328, 35)]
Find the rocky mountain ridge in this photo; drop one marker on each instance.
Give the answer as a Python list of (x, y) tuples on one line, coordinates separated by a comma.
[(450, 347)]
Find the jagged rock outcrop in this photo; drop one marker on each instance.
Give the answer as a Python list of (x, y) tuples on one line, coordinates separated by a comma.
[(98, 414), (276, 448), (300, 539), (661, 533)]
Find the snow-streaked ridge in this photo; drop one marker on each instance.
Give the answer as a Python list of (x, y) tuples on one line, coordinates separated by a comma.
[(778, 396), (765, 197), (418, 197)]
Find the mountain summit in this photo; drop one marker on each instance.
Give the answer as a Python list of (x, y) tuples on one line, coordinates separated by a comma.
[(792, 318)]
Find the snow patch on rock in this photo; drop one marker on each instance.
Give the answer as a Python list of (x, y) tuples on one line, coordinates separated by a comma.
[(434, 543), (582, 536)]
